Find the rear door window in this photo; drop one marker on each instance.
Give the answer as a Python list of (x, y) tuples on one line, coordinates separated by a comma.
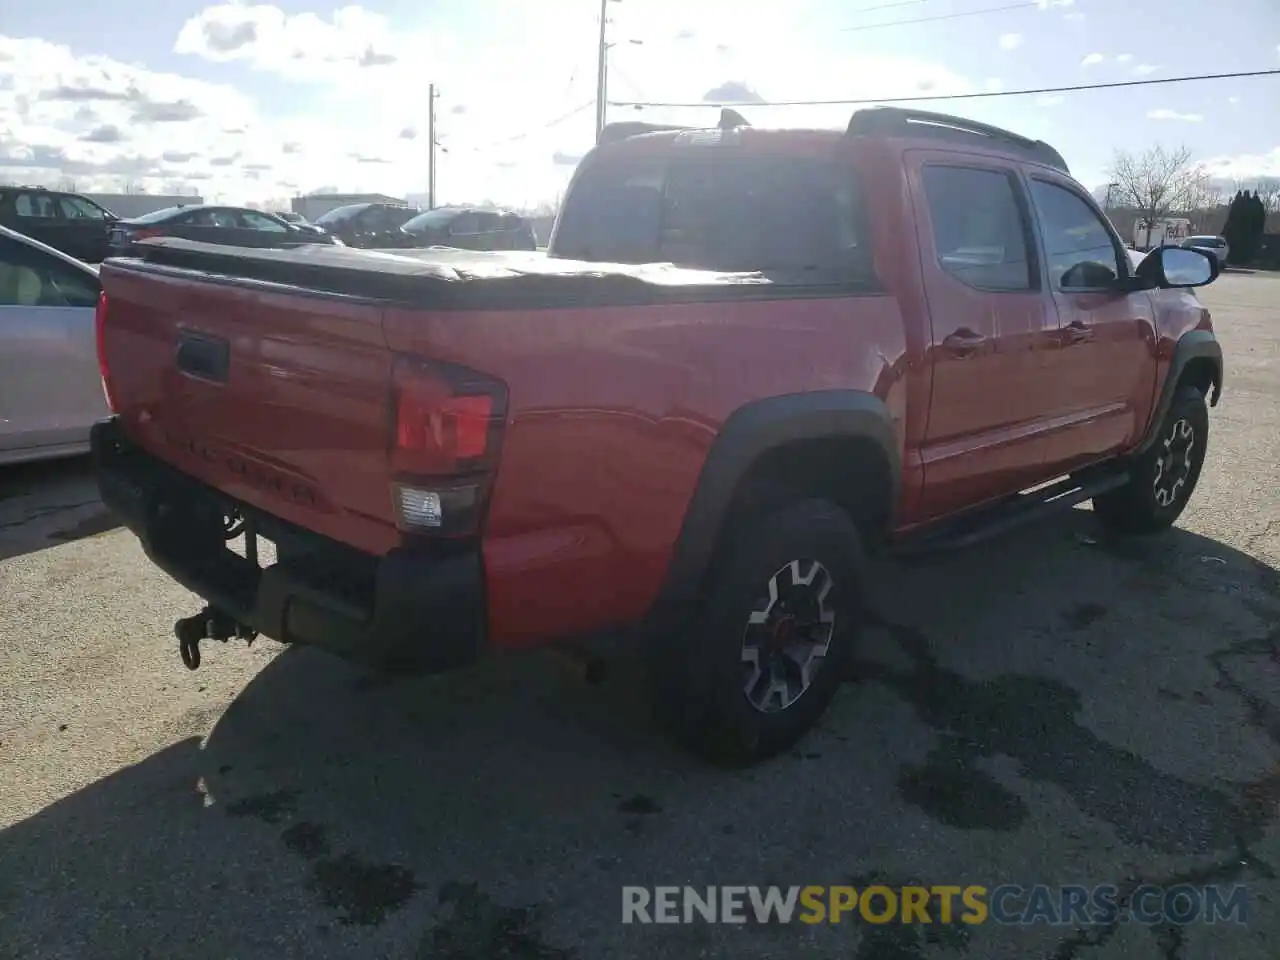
[(979, 230), (38, 205), (256, 221), (464, 224)]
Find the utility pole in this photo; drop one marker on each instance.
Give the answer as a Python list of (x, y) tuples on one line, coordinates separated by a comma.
[(431, 146), (601, 68)]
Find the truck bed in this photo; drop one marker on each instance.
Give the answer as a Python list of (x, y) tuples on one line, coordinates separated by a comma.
[(448, 277)]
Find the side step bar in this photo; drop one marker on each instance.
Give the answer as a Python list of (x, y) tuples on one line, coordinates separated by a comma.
[(988, 522)]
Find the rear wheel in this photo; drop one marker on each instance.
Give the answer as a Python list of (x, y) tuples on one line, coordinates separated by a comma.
[(762, 661), (1162, 479)]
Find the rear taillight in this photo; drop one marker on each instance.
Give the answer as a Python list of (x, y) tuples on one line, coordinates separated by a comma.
[(100, 334), (446, 432)]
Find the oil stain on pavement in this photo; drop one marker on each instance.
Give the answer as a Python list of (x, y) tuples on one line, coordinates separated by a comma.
[(1032, 720), (477, 928)]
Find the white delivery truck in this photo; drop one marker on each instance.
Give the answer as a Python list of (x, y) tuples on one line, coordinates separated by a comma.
[(1171, 230)]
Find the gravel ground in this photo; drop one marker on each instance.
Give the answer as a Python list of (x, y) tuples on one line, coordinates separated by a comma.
[(1047, 708)]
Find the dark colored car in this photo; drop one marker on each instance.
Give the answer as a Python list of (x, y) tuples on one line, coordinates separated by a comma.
[(471, 229), (68, 222), (908, 334), (236, 226), (369, 225)]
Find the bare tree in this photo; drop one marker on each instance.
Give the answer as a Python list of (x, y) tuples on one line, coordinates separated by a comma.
[(1269, 192), (1159, 182)]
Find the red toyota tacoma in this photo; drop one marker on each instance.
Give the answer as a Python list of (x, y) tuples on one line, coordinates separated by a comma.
[(748, 360)]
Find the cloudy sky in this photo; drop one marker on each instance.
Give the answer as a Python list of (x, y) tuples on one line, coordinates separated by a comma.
[(260, 101)]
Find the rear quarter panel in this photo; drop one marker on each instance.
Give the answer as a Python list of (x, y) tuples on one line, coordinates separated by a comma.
[(612, 413)]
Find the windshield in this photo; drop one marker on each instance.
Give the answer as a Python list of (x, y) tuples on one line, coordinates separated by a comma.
[(339, 214), (431, 220), (155, 216)]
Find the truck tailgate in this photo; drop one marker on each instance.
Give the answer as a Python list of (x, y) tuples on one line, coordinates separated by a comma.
[(279, 399)]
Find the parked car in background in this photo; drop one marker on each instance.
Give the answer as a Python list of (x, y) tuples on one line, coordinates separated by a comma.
[(236, 226), (68, 222), (1214, 246), (471, 229), (369, 225), (50, 386)]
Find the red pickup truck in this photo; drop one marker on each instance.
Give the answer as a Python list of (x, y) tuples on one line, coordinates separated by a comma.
[(748, 360)]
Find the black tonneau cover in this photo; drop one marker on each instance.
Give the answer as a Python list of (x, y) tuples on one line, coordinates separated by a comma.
[(444, 277)]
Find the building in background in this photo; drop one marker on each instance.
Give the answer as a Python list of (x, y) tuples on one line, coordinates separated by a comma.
[(136, 204), (313, 205)]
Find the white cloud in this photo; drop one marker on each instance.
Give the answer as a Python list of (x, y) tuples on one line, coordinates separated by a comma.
[(1244, 166), (1075, 16), (1164, 113), (1145, 69), (102, 121), (1233, 100), (1051, 100), (301, 46), (1124, 58), (1048, 4), (993, 84), (1092, 60), (1010, 41)]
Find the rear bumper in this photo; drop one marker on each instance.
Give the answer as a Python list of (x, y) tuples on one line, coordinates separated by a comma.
[(413, 610)]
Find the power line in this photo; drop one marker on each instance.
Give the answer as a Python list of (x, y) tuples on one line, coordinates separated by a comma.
[(949, 96), (941, 16), (889, 6), (546, 126)]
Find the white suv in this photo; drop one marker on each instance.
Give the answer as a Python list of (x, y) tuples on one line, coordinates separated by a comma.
[(1213, 245)]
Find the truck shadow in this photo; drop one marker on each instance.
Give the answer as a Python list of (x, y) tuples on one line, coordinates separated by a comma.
[(1044, 688), (45, 504)]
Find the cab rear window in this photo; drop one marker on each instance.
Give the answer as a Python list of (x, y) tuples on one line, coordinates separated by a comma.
[(799, 219)]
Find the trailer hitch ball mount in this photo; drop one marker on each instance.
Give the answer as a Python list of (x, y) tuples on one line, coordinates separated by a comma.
[(208, 624)]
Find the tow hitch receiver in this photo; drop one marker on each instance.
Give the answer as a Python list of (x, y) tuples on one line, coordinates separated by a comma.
[(209, 624)]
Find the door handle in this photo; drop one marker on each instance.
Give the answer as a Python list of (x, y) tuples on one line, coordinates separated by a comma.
[(963, 342), (1076, 332)]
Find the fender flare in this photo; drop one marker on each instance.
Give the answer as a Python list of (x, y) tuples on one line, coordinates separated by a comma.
[(1192, 345), (748, 433)]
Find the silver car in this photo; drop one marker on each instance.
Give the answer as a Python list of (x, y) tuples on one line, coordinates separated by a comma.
[(50, 388), (1214, 246)]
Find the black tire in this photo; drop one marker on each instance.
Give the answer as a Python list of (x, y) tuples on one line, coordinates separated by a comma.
[(700, 675), (1153, 499)]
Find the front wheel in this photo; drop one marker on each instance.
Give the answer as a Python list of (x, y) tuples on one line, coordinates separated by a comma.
[(1162, 479), (764, 659)]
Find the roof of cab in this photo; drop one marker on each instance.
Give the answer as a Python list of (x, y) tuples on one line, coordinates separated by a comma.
[(874, 122)]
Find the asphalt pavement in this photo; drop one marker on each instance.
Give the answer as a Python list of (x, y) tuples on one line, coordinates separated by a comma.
[(1052, 707)]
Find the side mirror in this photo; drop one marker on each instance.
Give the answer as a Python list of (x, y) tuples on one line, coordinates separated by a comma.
[(1177, 267)]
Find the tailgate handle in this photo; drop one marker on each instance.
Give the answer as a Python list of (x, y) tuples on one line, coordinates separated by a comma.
[(203, 356)]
